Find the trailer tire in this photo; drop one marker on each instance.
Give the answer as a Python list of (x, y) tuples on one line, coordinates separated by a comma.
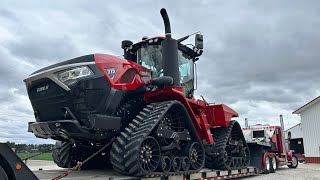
[(3, 174), (273, 164), (267, 165), (294, 163)]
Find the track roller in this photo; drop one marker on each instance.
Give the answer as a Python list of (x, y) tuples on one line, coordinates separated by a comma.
[(165, 164), (176, 164), (185, 163)]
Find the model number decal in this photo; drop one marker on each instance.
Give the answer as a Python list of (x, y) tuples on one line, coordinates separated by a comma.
[(43, 88), (111, 72)]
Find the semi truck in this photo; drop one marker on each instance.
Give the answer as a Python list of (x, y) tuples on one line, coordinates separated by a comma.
[(268, 149)]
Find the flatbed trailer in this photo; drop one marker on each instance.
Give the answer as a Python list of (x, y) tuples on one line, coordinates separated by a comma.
[(266, 144), (12, 167)]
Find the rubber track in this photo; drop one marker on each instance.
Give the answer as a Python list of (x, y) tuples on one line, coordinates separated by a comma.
[(66, 156), (124, 154), (62, 154), (215, 160)]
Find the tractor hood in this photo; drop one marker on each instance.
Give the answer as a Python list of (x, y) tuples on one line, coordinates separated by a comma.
[(119, 73)]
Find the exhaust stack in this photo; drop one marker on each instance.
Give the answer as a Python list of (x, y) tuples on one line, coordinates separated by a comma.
[(284, 147), (169, 52), (246, 124)]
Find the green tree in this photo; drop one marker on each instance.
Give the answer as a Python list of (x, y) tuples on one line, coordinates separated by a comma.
[(11, 144)]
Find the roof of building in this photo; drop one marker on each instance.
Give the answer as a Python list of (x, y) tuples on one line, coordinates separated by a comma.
[(306, 106), (293, 127)]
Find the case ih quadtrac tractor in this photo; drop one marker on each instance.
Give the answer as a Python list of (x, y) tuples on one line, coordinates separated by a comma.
[(145, 100)]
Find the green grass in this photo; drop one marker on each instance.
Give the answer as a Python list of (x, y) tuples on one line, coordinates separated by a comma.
[(45, 156)]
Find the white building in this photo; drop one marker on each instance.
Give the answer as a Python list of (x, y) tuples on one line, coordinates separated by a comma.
[(294, 132), (310, 122)]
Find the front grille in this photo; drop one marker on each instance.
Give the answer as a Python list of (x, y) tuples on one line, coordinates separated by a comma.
[(49, 100), (88, 96)]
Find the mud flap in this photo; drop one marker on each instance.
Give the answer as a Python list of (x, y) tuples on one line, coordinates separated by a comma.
[(255, 156)]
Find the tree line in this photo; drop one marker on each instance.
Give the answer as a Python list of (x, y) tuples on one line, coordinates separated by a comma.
[(27, 148)]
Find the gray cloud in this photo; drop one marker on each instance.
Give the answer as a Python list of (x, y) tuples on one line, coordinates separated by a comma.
[(261, 58)]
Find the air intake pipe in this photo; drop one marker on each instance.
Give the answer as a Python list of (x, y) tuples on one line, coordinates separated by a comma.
[(169, 52), (284, 146)]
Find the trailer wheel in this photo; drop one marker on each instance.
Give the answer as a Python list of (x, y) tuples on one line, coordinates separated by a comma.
[(294, 163), (273, 164), (3, 175)]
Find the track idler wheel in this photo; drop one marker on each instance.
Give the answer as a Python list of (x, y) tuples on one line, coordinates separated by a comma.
[(165, 164), (185, 163), (176, 164), (196, 155), (149, 154)]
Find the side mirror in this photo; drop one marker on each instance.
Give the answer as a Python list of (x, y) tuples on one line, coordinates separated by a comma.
[(199, 41), (126, 43)]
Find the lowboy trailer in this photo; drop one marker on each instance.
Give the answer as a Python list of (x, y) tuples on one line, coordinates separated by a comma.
[(13, 168)]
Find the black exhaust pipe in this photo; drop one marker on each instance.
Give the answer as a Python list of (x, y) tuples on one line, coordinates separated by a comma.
[(166, 22), (169, 52)]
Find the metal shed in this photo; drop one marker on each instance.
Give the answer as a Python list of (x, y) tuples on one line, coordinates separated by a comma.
[(310, 122)]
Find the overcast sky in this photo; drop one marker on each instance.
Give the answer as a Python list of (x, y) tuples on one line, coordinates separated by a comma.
[(260, 57)]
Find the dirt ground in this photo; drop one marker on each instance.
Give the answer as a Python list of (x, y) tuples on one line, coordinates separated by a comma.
[(50, 170)]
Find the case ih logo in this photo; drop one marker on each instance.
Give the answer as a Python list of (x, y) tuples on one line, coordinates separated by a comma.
[(43, 88)]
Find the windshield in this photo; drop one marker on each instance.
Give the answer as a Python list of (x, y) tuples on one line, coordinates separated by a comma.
[(151, 58), (186, 72)]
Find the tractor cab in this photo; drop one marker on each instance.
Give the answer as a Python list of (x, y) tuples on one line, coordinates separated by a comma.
[(148, 53)]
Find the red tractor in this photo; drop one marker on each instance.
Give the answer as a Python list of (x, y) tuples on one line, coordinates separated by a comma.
[(145, 100)]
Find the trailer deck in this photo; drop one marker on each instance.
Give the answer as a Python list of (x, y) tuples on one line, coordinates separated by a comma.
[(11, 162), (112, 175), (304, 171)]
